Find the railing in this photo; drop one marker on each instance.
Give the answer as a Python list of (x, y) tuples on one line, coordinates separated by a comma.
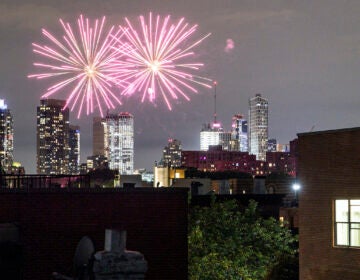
[(9, 181)]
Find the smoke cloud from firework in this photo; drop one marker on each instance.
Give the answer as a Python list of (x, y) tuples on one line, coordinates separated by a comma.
[(230, 45)]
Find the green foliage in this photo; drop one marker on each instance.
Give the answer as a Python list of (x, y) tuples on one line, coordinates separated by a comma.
[(286, 269), (102, 177), (102, 173), (225, 243)]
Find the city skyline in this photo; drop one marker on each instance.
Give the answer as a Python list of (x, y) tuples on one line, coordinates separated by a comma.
[(303, 57)]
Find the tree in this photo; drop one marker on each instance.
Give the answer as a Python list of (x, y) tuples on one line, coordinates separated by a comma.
[(225, 243), (102, 177)]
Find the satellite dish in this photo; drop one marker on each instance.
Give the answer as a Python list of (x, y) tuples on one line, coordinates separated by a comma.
[(84, 251)]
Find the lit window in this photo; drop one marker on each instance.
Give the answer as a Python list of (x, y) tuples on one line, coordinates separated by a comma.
[(347, 223)]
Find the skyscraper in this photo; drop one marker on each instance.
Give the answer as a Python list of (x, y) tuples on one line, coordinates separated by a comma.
[(172, 153), (74, 149), (98, 137), (258, 126), (239, 134), (210, 135), (52, 136), (119, 142), (6, 137), (225, 140)]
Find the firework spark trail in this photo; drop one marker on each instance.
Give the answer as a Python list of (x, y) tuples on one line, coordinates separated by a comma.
[(156, 60), (83, 64)]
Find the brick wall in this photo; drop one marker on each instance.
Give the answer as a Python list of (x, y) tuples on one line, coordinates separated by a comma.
[(329, 168), (52, 222)]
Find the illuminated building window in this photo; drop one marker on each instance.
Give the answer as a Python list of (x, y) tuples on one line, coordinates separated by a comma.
[(281, 219), (347, 222)]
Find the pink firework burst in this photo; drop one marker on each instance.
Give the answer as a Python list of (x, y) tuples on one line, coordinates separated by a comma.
[(159, 60), (82, 64)]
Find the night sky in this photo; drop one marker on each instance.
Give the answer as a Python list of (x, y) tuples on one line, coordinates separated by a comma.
[(304, 56)]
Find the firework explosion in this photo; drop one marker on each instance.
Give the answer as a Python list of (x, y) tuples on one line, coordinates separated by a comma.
[(158, 59), (83, 64)]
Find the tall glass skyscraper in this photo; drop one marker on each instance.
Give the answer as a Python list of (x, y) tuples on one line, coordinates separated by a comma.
[(6, 137), (52, 136), (239, 133), (258, 126), (119, 142), (210, 135)]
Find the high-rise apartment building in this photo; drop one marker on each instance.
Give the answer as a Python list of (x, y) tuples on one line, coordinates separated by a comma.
[(119, 142), (225, 140), (74, 149), (172, 153), (6, 137), (258, 126), (52, 136), (210, 135), (239, 133)]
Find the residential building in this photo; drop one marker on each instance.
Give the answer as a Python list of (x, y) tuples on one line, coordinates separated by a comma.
[(216, 159), (6, 137), (172, 153), (329, 204), (166, 176), (258, 126), (225, 140), (52, 136), (281, 162), (294, 151), (95, 162), (119, 142)]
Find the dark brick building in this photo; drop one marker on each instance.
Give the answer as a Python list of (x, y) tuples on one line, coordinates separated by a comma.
[(217, 159), (329, 217), (280, 162), (51, 223)]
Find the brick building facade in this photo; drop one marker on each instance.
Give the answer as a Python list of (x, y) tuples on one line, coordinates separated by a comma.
[(217, 159), (328, 170)]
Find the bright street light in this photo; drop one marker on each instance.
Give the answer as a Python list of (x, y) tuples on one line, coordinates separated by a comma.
[(296, 187)]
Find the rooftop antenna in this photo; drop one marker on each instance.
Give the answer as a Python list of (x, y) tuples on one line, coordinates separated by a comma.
[(215, 84)]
